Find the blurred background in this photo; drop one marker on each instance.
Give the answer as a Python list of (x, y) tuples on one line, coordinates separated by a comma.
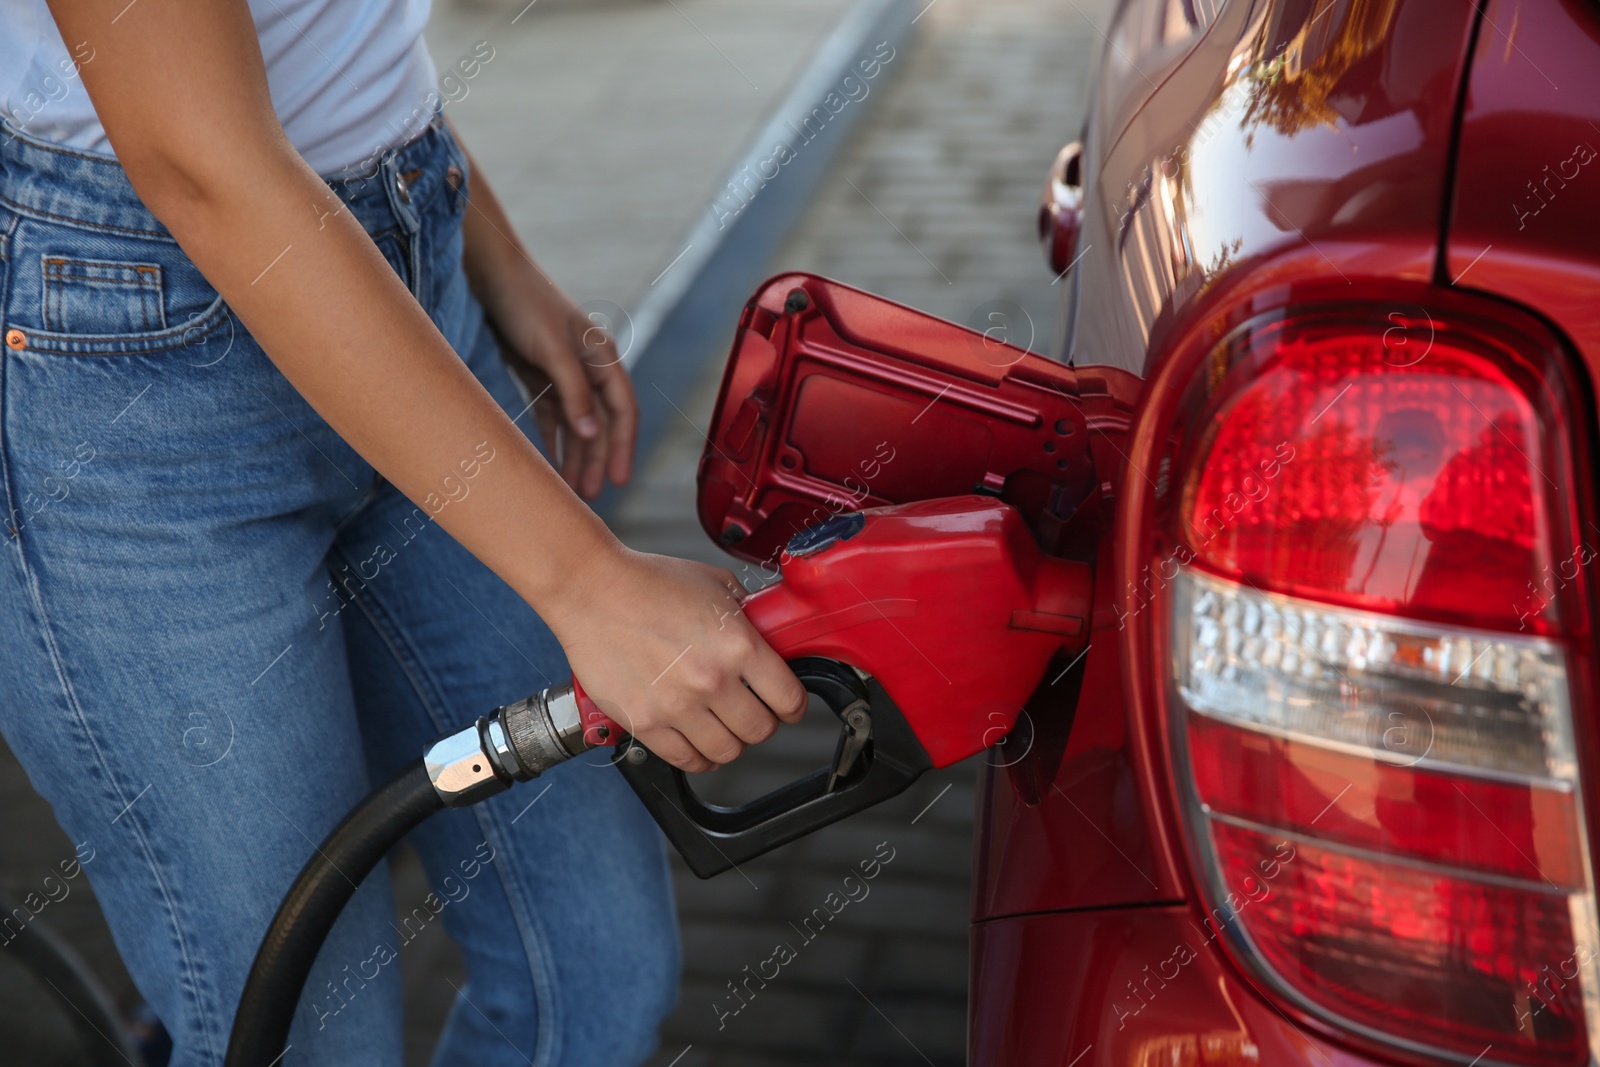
[(618, 132)]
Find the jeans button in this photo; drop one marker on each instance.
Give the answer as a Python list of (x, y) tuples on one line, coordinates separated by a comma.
[(402, 188), (16, 340)]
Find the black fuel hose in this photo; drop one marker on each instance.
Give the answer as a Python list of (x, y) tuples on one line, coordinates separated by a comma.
[(517, 742), (307, 914)]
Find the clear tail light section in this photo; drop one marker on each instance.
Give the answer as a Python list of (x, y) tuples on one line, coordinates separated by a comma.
[(1371, 677)]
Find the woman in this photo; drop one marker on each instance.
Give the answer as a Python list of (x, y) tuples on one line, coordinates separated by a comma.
[(273, 526)]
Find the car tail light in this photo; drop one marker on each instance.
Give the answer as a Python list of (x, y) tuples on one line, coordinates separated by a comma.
[(1371, 678)]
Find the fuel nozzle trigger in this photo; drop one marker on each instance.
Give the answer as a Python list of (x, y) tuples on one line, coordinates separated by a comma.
[(853, 740)]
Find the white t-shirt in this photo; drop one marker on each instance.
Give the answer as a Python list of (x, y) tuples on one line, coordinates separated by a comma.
[(349, 78)]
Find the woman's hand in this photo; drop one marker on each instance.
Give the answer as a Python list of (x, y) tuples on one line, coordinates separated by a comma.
[(662, 646), (583, 399)]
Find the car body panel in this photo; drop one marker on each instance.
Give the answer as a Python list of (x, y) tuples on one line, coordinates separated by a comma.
[(1060, 812), (1139, 987), (1289, 125), (1524, 224), (1336, 120), (1296, 150)]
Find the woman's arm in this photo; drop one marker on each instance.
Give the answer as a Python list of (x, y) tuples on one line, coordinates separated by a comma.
[(182, 92), (585, 406)]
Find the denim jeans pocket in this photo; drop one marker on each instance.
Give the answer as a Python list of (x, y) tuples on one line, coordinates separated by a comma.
[(81, 290)]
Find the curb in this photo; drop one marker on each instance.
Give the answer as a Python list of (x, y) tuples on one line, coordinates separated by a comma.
[(681, 324)]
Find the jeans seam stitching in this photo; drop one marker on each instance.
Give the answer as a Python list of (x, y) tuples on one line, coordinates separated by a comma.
[(146, 274), (394, 640), (6, 235), (66, 220), (193, 985), (5, 364), (535, 946), (47, 312), (360, 506)]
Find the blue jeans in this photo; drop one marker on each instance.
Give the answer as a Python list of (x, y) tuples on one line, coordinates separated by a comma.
[(218, 626)]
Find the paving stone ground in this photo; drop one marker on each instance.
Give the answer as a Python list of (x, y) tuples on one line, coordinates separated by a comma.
[(931, 204)]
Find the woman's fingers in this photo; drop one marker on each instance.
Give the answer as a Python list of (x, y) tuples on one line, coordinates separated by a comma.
[(593, 478), (673, 747), (664, 640), (572, 453), (566, 369), (665, 737), (767, 686), (616, 393), (547, 416), (774, 684), (581, 382), (709, 736), (750, 720)]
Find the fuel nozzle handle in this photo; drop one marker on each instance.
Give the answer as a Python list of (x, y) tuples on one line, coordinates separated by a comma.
[(515, 743)]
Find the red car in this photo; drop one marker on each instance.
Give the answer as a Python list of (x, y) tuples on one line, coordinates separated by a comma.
[(1315, 793)]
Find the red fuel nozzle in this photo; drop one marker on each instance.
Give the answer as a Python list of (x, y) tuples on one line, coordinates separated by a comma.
[(949, 604)]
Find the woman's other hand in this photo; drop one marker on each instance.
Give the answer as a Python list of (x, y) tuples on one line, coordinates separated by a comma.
[(584, 402)]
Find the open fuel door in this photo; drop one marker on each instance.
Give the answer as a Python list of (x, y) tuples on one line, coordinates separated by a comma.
[(931, 497), (836, 400)]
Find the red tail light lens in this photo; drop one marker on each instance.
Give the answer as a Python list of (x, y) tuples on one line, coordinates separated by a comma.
[(1370, 698), (1448, 961), (1356, 471)]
